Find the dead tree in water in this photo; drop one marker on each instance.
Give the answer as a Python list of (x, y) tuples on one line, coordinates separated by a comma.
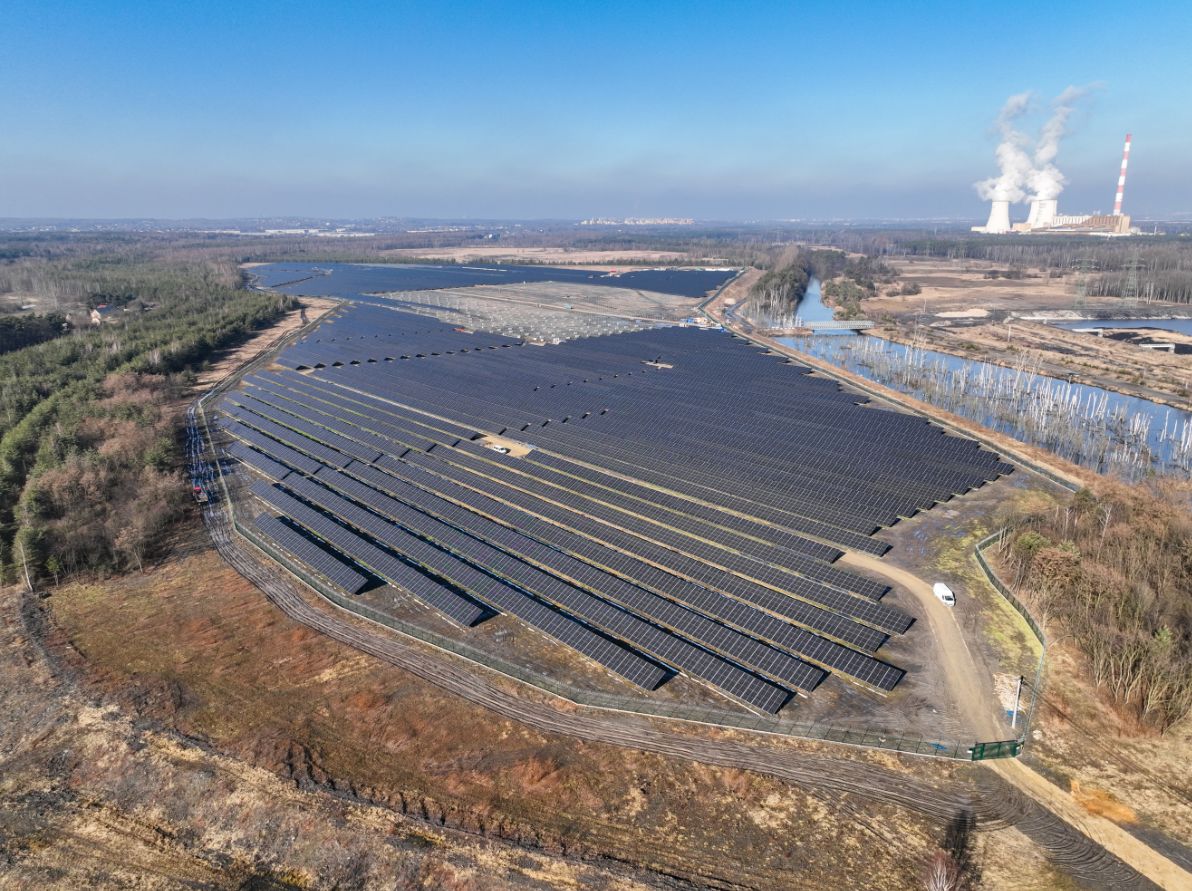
[(1083, 424)]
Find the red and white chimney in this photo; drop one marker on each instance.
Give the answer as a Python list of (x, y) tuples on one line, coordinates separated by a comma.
[(1117, 201)]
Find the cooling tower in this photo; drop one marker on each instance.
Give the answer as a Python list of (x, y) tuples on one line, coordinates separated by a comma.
[(999, 217), (1042, 215)]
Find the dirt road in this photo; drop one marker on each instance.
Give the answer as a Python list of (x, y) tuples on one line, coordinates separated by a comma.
[(971, 692), (973, 695), (1112, 837)]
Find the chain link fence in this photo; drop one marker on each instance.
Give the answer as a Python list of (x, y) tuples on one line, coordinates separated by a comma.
[(1002, 588), (868, 737)]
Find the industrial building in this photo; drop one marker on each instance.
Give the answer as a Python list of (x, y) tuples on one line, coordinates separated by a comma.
[(1044, 215)]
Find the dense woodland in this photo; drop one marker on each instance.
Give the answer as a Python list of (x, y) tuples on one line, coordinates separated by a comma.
[(90, 467), (25, 330), (1112, 573), (846, 280)]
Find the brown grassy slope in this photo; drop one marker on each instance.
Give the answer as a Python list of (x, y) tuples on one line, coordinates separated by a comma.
[(92, 796), (207, 654)]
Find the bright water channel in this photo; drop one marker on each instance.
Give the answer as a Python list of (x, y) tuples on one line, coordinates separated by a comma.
[(1095, 428), (1184, 326)]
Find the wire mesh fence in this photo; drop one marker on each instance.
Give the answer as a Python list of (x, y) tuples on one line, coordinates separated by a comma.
[(868, 737), (1002, 588)]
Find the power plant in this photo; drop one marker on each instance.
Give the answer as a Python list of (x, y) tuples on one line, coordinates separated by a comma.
[(1027, 168), (1044, 215)]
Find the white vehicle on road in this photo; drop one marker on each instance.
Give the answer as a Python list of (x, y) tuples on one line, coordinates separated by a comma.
[(944, 593)]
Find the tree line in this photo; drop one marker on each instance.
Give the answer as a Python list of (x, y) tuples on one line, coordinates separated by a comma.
[(1113, 570), (89, 426), (846, 279)]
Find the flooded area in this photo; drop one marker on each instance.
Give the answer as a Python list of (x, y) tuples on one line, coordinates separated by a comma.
[(1096, 428), (1183, 326), (1104, 431)]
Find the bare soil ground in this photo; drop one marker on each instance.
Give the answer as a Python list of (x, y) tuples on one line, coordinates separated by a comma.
[(960, 311), (194, 648), (223, 363), (98, 789), (961, 285)]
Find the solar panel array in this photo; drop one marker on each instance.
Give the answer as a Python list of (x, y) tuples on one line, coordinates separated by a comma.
[(330, 565), (662, 501)]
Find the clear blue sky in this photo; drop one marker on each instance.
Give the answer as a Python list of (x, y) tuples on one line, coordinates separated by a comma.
[(733, 110)]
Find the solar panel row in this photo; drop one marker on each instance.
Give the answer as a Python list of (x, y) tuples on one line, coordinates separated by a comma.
[(812, 647), (258, 461), (582, 574), (329, 565), (633, 629), (809, 566), (502, 597), (367, 554), (710, 556), (727, 610), (273, 447)]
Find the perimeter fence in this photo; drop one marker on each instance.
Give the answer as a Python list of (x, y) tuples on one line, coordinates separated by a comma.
[(1036, 627), (868, 737)]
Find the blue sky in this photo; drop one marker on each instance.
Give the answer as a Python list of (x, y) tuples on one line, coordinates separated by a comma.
[(736, 110)]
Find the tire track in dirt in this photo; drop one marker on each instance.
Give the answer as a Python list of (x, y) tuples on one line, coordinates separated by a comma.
[(993, 807)]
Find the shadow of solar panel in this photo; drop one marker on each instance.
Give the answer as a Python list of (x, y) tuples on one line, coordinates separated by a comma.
[(313, 555), (610, 654), (443, 599)]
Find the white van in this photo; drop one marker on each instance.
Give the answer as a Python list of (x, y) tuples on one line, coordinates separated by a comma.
[(944, 593)]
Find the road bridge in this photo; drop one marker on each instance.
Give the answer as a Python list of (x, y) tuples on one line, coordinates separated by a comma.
[(803, 327)]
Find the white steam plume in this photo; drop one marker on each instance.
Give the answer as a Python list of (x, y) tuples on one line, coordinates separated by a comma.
[(1046, 181), (1013, 159)]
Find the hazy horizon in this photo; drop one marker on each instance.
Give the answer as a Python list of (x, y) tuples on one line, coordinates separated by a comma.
[(748, 112)]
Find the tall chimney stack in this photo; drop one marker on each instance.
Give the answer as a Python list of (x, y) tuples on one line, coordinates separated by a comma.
[(1117, 201)]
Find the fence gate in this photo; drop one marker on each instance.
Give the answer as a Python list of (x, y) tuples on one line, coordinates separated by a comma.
[(1006, 748)]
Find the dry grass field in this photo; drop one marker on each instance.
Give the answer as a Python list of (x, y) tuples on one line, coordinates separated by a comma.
[(194, 649)]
